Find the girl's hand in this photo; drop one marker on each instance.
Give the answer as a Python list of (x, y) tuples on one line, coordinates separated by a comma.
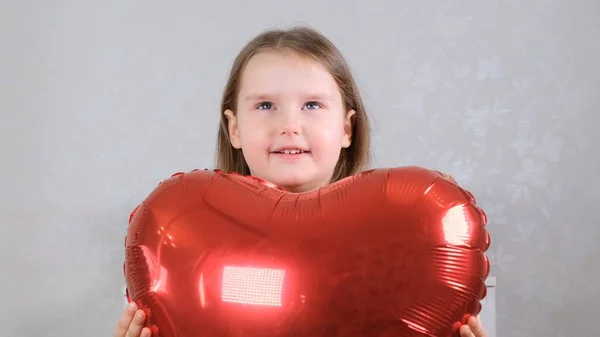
[(131, 323), (472, 328)]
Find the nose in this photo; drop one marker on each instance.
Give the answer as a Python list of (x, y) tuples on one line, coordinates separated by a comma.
[(291, 123)]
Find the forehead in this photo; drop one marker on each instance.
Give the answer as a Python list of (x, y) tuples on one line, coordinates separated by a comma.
[(286, 72)]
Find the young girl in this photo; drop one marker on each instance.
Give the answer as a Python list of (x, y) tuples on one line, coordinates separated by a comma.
[(291, 115)]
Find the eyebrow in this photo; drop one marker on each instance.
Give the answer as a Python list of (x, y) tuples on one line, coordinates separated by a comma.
[(308, 97), (256, 97)]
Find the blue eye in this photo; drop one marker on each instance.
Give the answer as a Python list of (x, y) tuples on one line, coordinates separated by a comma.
[(265, 106), (312, 105)]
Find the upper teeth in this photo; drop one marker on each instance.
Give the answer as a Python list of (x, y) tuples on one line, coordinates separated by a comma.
[(291, 151)]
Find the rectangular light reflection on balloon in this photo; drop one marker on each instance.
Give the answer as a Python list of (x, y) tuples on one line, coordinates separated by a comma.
[(202, 291), (456, 226), (159, 285), (254, 286)]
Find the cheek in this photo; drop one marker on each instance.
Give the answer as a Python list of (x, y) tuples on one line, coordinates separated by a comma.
[(255, 153), (331, 128), (253, 145), (253, 131), (327, 140), (254, 138)]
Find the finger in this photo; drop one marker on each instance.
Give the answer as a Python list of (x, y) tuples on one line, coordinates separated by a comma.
[(136, 326), (476, 326), (456, 329), (465, 331), (146, 332), (125, 320)]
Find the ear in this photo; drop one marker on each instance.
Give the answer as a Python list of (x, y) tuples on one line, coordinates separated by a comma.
[(232, 127), (347, 140)]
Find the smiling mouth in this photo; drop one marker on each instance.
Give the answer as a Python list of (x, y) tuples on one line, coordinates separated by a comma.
[(297, 151)]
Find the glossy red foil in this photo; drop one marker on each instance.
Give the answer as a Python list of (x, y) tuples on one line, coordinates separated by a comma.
[(388, 252)]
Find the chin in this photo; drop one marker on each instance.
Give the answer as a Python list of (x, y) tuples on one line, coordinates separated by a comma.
[(305, 185), (294, 183), (291, 182)]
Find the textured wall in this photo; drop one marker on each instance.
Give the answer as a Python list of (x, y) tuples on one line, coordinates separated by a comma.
[(101, 101)]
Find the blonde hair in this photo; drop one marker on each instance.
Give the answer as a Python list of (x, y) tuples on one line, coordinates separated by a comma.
[(306, 42)]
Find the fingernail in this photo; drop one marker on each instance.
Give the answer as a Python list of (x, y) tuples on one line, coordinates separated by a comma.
[(139, 315), (456, 327), (465, 319), (132, 306)]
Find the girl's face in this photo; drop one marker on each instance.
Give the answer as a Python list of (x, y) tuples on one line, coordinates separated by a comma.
[(291, 123)]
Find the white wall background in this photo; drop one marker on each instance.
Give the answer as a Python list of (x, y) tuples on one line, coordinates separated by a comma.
[(100, 100)]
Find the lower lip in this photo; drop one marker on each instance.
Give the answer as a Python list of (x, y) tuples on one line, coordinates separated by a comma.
[(290, 156)]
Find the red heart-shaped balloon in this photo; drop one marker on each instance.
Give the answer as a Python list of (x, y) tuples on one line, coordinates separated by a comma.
[(388, 252)]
